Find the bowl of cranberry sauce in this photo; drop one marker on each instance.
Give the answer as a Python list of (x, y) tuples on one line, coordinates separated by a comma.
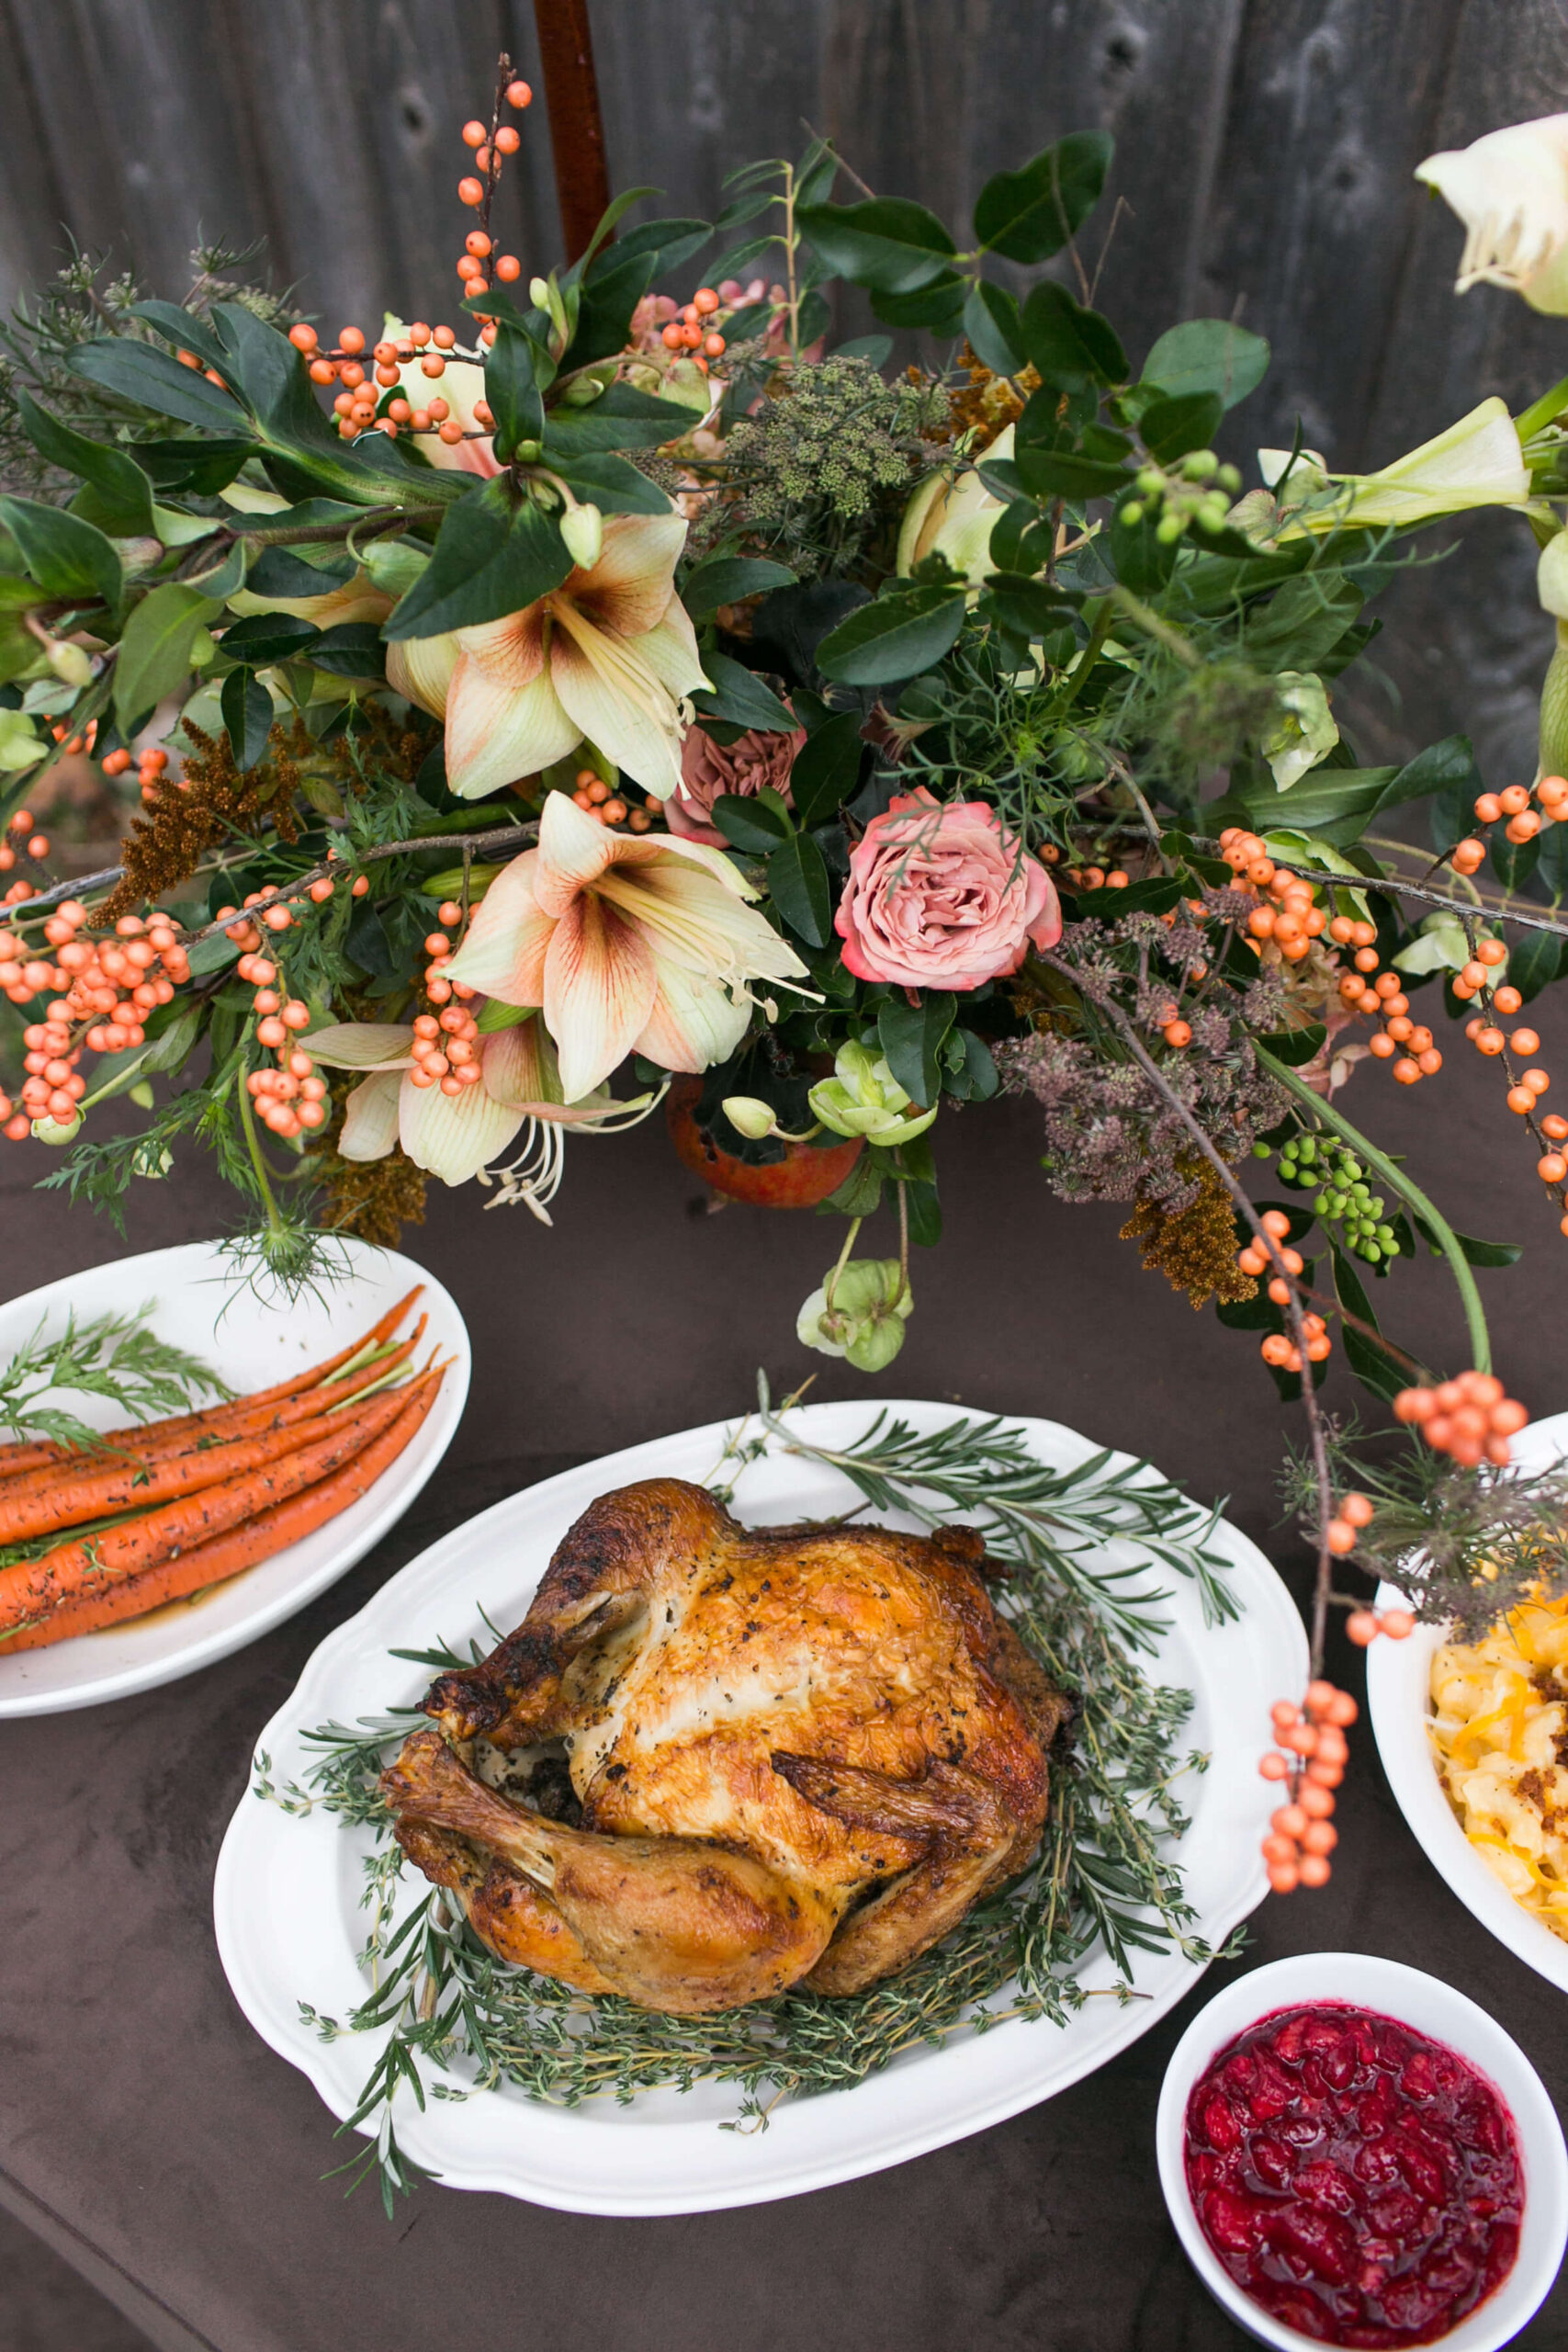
[(1353, 2154)]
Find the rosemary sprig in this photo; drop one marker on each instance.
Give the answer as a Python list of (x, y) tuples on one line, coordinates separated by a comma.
[(113, 1356), (457, 2022)]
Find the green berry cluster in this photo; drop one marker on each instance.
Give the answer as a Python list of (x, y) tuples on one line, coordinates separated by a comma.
[(1343, 1197), (1199, 491)]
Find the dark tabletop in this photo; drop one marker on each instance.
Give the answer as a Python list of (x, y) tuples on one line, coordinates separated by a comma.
[(164, 2149)]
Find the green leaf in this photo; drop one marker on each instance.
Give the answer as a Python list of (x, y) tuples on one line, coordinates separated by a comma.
[(614, 484), (727, 578), (1475, 1253), (669, 243), (1026, 606), (272, 377), (513, 389), (993, 327), (155, 650), (1028, 215), (200, 468), (352, 649), (1073, 348), (608, 220), (895, 637), (489, 560), (262, 638), (939, 307), (911, 1037), (887, 243), (1514, 861), (125, 494), (1207, 355), (754, 822), (797, 884), (621, 418), (611, 292), (247, 714), (1295, 1046), (1169, 428), (861, 1191), (827, 768), (740, 699), (278, 571), (1056, 473), (1535, 962), (1373, 1366), (1303, 623), (67, 557), (138, 372)]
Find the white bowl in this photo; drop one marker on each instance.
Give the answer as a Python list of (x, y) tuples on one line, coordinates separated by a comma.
[(1430, 2007), (1399, 1678)]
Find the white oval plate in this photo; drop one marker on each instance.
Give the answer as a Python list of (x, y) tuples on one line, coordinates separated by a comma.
[(289, 1925), (1399, 1680), (198, 1305)]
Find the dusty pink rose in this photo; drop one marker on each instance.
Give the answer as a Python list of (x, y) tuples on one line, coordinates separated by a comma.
[(708, 769), (938, 897)]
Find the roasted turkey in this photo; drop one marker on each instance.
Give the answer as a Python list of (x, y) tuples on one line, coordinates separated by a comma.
[(792, 1755)]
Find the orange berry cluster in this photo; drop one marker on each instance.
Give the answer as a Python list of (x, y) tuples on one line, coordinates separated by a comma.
[(439, 989), (594, 794), (1405, 1042), (1095, 877), (110, 986), (1470, 1418), (151, 770), (1523, 821), (1294, 919), (288, 1096), (190, 359), (692, 331), (1526, 1090), (1311, 1756), (358, 406), (77, 744), (1255, 1260), (37, 845)]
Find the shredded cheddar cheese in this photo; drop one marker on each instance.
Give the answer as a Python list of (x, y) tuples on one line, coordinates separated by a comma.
[(1499, 1730)]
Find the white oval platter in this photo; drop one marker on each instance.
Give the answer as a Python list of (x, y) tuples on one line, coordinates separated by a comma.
[(289, 1925), (198, 1305), (1399, 1700)]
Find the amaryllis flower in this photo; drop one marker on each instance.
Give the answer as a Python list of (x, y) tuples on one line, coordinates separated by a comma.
[(629, 943), (450, 1136), (708, 769), (1510, 189), (943, 897), (607, 655)]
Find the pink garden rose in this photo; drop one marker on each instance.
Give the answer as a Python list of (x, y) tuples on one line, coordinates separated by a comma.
[(939, 897), (708, 769)]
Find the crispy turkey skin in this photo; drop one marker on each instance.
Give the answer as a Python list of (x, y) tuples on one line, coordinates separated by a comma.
[(800, 1755)]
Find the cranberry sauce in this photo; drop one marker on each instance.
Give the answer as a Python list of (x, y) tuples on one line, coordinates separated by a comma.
[(1361, 2182)]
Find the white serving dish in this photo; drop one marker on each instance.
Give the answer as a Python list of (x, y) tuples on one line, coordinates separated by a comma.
[(1430, 2007), (1399, 1700), (200, 1306), (288, 1891)]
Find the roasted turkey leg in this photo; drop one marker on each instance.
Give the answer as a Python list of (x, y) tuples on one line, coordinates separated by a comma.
[(670, 1923)]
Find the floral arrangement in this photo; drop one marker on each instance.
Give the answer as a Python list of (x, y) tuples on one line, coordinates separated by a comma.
[(621, 700)]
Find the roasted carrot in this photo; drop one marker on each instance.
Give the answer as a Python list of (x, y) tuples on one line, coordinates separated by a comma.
[(30, 1588), (244, 1547), (36, 1455), (49, 1497)]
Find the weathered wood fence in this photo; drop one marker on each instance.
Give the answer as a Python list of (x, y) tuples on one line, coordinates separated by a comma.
[(1264, 157)]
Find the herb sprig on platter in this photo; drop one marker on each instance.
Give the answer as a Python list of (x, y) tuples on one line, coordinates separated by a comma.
[(457, 2022), (117, 1357)]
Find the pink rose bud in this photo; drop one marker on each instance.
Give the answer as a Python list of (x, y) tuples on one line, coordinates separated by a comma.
[(709, 769), (943, 897)]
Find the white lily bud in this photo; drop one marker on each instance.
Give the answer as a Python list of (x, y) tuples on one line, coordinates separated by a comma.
[(1510, 189), (1553, 753), (1552, 577), (749, 1115), (539, 293), (583, 529)]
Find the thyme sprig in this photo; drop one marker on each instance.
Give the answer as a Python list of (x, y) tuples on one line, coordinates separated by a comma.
[(457, 2022)]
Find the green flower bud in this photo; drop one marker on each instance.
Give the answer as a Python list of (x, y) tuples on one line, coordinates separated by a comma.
[(141, 1094), (1132, 512), (1170, 528), (1371, 1253), (58, 1131), (70, 662), (1199, 464), (1229, 479), (1150, 480), (872, 1303), (749, 1115), (539, 293), (863, 1098)]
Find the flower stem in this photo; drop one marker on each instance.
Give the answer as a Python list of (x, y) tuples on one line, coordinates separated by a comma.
[(831, 1284), (1412, 1194), (253, 1143)]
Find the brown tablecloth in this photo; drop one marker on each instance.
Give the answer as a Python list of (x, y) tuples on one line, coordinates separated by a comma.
[(148, 2133)]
